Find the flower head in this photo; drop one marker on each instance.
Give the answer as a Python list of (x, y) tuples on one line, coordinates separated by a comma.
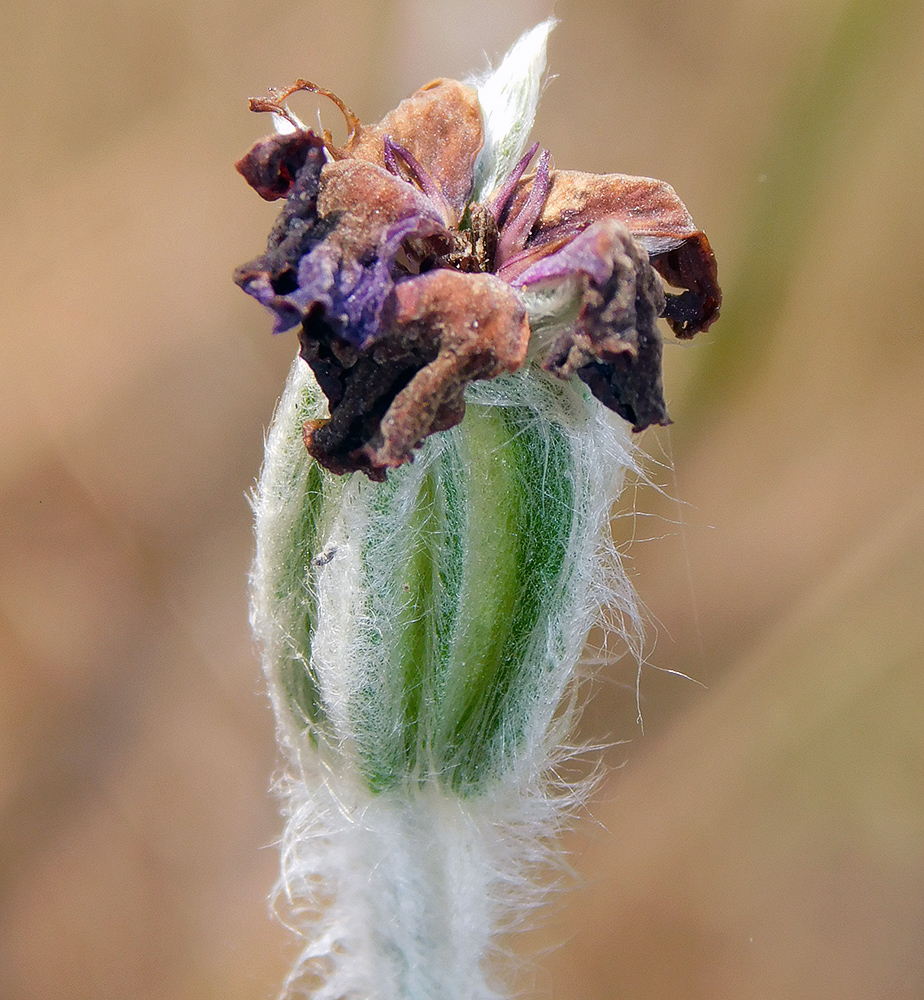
[(406, 287)]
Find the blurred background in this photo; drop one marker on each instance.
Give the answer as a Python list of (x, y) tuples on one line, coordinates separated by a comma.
[(763, 836)]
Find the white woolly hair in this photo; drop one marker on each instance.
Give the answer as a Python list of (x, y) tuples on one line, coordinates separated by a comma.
[(509, 96)]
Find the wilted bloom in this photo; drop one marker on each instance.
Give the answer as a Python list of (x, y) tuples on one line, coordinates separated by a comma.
[(407, 283)]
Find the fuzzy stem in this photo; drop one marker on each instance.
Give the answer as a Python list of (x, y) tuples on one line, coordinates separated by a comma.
[(402, 895)]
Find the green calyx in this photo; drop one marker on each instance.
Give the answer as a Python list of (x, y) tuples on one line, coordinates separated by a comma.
[(423, 629)]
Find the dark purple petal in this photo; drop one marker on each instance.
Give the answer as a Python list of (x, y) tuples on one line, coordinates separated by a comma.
[(614, 345), (273, 166), (692, 266)]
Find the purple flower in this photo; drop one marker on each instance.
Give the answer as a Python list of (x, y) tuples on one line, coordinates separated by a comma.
[(405, 290)]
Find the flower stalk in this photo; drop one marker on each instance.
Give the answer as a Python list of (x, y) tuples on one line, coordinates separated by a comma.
[(420, 623)]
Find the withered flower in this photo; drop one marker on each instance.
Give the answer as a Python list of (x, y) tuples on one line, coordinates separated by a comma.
[(407, 283), (420, 637)]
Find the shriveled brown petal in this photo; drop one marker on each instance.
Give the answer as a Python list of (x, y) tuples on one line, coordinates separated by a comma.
[(614, 345), (269, 167), (654, 215), (441, 126), (335, 247), (272, 163), (447, 330), (366, 200)]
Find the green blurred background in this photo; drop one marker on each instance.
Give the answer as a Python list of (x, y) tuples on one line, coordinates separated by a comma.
[(764, 836)]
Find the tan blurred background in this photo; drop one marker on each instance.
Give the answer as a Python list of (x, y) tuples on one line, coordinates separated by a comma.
[(765, 834)]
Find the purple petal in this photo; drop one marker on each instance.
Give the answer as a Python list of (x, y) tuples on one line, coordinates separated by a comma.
[(514, 234), (501, 199), (272, 165)]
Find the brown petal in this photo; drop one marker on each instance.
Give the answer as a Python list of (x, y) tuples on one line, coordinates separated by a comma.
[(440, 124), (367, 202), (654, 215), (271, 165), (448, 330), (336, 244)]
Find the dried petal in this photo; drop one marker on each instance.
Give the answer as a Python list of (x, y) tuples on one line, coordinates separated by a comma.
[(440, 125), (385, 263), (336, 245), (654, 215), (446, 329), (271, 165), (614, 345), (270, 277)]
